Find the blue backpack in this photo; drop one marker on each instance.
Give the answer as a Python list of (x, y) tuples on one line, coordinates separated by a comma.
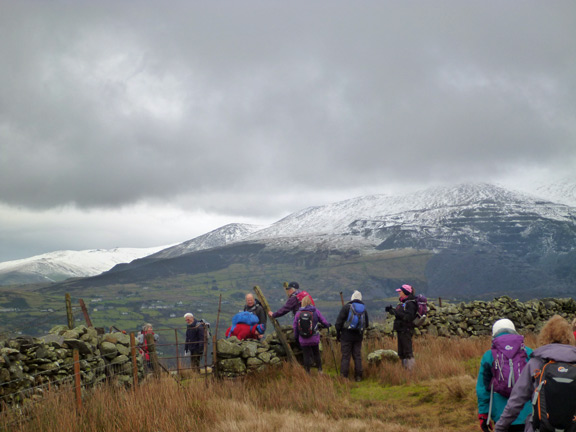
[(244, 318), (356, 318)]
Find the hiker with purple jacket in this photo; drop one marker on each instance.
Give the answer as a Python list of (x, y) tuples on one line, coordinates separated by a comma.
[(556, 343), (293, 302), (309, 338), (495, 380)]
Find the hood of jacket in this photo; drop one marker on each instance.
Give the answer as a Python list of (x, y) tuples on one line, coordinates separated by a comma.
[(557, 352), (308, 308)]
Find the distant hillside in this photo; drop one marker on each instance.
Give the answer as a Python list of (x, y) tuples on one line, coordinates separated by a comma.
[(61, 265)]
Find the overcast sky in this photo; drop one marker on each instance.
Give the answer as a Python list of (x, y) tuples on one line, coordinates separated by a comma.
[(144, 123)]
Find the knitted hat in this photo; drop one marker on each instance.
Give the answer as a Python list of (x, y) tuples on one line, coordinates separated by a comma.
[(503, 324), (357, 295), (260, 328), (406, 289)]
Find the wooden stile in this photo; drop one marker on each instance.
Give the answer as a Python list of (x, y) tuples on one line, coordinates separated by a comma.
[(279, 333)]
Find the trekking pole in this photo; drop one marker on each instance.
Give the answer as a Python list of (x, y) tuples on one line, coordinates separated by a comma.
[(341, 298)]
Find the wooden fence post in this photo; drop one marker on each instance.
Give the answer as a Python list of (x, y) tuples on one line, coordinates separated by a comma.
[(69, 313), (178, 366), (77, 380), (134, 361), (215, 341), (85, 312), (289, 353)]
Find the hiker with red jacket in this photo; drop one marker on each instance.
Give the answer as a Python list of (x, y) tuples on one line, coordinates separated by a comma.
[(246, 331), (556, 344), (350, 325), (306, 323), (295, 296), (494, 383), (405, 314), (143, 343)]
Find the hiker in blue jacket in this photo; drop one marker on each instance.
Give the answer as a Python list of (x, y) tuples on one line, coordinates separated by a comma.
[(555, 344), (487, 387)]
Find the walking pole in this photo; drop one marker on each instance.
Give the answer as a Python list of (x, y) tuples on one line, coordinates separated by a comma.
[(341, 298)]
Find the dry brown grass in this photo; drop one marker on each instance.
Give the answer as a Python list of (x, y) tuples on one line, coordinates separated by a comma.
[(437, 396)]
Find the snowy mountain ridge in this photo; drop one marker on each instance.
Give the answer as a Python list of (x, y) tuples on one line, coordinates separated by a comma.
[(424, 208), (59, 265), (468, 214)]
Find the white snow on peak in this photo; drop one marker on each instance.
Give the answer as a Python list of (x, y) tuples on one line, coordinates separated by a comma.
[(222, 236), (424, 207), (76, 263)]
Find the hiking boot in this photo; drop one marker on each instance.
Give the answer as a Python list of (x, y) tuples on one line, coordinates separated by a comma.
[(358, 379)]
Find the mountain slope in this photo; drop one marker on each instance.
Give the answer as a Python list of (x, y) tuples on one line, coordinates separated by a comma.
[(222, 236), (61, 265), (478, 239)]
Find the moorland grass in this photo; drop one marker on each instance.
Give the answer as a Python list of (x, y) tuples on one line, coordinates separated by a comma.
[(439, 395)]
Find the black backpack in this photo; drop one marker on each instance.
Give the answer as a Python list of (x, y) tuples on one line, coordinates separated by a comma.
[(306, 324), (553, 403)]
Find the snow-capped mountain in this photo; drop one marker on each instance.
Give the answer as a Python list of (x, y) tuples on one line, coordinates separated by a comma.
[(531, 234), (424, 209), (222, 236), (60, 265)]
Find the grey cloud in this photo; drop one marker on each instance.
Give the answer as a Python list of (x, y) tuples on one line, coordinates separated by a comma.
[(108, 104)]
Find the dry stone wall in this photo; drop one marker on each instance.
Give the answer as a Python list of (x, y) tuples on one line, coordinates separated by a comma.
[(29, 365), (476, 318), (236, 358), (239, 357)]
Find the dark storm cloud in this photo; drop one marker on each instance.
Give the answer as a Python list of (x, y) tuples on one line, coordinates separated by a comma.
[(213, 106)]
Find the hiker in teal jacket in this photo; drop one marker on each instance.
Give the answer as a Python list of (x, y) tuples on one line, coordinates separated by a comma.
[(483, 385)]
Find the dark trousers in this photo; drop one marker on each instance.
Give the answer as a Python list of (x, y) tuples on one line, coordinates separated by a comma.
[(405, 345), (195, 361), (312, 355), (351, 349)]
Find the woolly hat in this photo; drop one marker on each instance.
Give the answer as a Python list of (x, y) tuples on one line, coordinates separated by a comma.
[(503, 324), (260, 328), (357, 295), (406, 289)]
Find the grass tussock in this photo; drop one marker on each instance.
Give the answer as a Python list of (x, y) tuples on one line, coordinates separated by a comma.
[(438, 395)]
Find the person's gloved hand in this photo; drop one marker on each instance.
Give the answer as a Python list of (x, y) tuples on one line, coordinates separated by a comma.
[(484, 423), (187, 353), (388, 308)]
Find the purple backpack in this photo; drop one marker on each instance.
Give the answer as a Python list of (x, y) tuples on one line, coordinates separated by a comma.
[(509, 358)]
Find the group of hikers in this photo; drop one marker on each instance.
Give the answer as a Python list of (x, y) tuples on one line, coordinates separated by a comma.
[(520, 389), (350, 324)]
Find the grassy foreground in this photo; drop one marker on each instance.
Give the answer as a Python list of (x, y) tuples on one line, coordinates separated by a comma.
[(439, 395)]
